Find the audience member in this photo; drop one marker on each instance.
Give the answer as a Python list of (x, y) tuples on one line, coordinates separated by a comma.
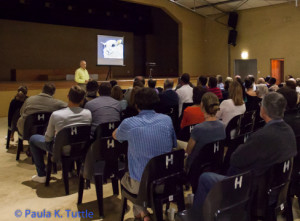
[(131, 109), (272, 144), (43, 102), (185, 92), (252, 99), (14, 110), (168, 98), (91, 91), (202, 81), (212, 87), (104, 108), (220, 82), (149, 134), (138, 81), (261, 81), (209, 131), (225, 92), (298, 85), (117, 94), (291, 83), (239, 80), (193, 114), (261, 90), (152, 84), (272, 84), (234, 106), (72, 115), (113, 83)]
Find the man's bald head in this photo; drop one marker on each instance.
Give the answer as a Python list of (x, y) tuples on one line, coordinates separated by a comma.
[(83, 64)]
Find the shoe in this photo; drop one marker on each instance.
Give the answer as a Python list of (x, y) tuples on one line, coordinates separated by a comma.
[(39, 179)]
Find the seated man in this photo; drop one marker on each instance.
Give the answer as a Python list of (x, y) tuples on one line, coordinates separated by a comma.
[(71, 115), (43, 102), (148, 134), (104, 108), (185, 92), (168, 98), (272, 144)]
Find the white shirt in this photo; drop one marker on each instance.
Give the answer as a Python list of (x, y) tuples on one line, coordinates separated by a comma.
[(228, 111), (185, 94)]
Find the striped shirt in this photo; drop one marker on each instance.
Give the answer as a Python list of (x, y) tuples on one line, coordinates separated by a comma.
[(149, 134), (216, 91)]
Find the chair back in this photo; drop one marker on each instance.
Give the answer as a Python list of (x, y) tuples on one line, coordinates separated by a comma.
[(163, 169), (72, 142), (247, 122), (209, 159), (172, 112), (185, 133), (234, 125), (271, 189), (36, 124), (229, 199), (109, 148)]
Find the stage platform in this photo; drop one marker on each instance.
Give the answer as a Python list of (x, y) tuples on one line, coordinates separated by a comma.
[(8, 89)]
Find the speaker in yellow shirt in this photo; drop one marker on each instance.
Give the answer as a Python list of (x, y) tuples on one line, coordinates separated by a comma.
[(82, 75)]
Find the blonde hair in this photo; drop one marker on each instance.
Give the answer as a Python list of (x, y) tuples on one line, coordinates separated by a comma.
[(236, 93), (210, 103)]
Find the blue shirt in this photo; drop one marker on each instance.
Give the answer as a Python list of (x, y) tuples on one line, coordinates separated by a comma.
[(149, 134)]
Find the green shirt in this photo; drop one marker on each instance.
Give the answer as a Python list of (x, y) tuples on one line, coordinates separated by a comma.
[(81, 75)]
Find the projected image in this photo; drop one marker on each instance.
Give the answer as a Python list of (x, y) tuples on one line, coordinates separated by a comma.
[(110, 50), (113, 49)]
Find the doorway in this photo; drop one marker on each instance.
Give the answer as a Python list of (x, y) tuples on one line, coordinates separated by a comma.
[(277, 69), (245, 67)]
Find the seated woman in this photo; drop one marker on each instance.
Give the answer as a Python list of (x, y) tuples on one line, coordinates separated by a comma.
[(209, 131), (252, 99), (131, 110), (91, 91), (212, 84), (193, 114), (233, 106), (14, 110), (117, 93)]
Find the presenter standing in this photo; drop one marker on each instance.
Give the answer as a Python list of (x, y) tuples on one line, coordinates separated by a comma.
[(82, 75)]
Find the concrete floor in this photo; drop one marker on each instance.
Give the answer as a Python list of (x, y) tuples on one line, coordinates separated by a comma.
[(18, 192)]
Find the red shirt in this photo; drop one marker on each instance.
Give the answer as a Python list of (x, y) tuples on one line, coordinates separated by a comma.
[(192, 115), (217, 91)]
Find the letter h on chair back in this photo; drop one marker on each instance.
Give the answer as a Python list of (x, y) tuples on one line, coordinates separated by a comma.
[(34, 124), (71, 144), (109, 164), (164, 171), (229, 199), (270, 191)]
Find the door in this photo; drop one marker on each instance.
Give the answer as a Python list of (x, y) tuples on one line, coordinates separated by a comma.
[(277, 69), (245, 67)]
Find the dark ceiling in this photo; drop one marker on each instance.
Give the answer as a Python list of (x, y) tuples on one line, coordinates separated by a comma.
[(100, 14)]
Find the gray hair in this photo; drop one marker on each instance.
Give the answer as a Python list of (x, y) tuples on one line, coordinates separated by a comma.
[(169, 83), (274, 105), (261, 90)]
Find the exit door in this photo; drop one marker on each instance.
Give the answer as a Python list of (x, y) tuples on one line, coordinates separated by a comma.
[(277, 69)]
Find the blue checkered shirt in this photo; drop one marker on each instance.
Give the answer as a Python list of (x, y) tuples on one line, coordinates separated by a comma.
[(149, 134)]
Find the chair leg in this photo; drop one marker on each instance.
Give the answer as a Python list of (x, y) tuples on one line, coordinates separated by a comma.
[(180, 201), (115, 185), (49, 167), (80, 189), (99, 192), (124, 207), (20, 148), (157, 210), (8, 138), (65, 172), (54, 165)]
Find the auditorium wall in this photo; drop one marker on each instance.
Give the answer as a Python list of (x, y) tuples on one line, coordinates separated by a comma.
[(28, 45), (266, 33)]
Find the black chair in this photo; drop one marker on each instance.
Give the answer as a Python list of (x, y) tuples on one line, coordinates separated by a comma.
[(74, 138), (229, 199), (112, 155), (270, 191), (185, 133), (209, 159), (34, 124), (247, 122), (167, 170), (173, 113)]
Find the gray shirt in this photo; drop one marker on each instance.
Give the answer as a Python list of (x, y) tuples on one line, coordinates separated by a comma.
[(205, 133), (104, 109)]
